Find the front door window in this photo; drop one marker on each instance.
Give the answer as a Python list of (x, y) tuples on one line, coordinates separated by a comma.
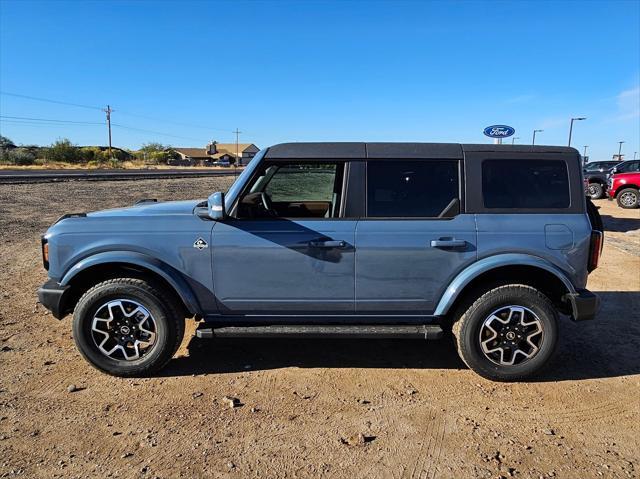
[(294, 190)]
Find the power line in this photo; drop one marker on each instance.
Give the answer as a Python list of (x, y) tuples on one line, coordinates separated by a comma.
[(48, 100), (155, 132), (190, 125), (51, 120), (41, 124)]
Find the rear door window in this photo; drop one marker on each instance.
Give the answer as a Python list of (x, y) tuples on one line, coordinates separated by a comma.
[(628, 167), (530, 184), (412, 188)]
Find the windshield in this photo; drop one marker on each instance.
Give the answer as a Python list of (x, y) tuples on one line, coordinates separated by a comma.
[(600, 165), (592, 167), (237, 185)]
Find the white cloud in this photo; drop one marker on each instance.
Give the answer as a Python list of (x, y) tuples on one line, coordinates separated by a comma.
[(628, 104)]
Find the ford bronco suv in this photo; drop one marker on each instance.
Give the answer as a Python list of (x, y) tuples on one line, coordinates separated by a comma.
[(372, 240)]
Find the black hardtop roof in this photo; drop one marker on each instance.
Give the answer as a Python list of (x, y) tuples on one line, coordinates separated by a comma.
[(363, 150)]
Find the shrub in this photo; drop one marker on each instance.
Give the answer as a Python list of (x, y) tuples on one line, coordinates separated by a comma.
[(18, 156), (114, 163), (63, 150), (155, 153), (91, 154)]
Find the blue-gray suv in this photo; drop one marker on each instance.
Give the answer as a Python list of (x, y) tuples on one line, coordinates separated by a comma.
[(391, 240)]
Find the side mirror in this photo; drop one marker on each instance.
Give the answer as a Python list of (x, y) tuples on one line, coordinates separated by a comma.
[(215, 206)]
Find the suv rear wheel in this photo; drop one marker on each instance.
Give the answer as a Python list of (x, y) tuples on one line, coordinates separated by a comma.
[(127, 327), (628, 198), (508, 333)]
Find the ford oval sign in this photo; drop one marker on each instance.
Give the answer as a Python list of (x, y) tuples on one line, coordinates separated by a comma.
[(499, 131)]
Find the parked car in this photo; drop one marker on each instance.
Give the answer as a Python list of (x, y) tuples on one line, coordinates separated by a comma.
[(595, 174), (628, 166), (371, 240), (223, 163), (624, 188)]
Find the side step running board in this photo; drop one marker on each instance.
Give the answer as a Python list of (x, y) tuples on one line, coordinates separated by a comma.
[(422, 331)]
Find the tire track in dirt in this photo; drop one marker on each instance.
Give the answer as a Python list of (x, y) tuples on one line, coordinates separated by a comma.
[(599, 411), (438, 449)]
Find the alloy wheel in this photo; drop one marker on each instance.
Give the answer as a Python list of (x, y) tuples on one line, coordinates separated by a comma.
[(628, 199), (123, 329), (511, 335)]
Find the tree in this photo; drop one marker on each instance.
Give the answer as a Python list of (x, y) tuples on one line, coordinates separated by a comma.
[(155, 153), (63, 150), (153, 147), (6, 143)]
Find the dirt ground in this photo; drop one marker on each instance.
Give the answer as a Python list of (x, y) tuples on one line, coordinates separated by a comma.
[(397, 409)]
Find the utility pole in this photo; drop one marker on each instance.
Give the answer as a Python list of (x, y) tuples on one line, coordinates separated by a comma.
[(634, 154), (513, 140), (585, 151), (571, 126), (534, 136), (620, 150), (237, 132), (108, 111)]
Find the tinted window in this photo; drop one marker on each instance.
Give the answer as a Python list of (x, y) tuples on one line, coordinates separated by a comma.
[(525, 184), (302, 182), (599, 166), (294, 190), (397, 188), (628, 166)]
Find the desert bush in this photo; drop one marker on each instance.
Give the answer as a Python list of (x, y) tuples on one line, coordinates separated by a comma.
[(18, 156), (63, 150), (91, 154), (155, 153), (114, 163)]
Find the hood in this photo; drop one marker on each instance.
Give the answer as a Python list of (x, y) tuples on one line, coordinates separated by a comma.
[(150, 208)]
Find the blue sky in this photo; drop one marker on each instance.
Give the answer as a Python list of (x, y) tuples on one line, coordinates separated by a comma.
[(304, 71)]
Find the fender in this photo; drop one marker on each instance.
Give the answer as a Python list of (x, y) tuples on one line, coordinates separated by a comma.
[(167, 272), (492, 262)]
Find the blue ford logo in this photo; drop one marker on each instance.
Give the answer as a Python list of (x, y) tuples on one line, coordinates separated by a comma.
[(499, 131)]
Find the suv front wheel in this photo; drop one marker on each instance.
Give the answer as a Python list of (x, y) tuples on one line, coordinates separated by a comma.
[(628, 198), (127, 327), (508, 333)]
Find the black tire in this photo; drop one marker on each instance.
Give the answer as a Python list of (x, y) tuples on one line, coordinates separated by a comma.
[(628, 198), (596, 190), (468, 327), (169, 325)]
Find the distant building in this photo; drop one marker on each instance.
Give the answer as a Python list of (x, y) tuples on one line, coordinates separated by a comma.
[(217, 152)]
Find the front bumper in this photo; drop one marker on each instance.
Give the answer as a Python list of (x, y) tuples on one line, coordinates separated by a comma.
[(52, 296), (584, 305)]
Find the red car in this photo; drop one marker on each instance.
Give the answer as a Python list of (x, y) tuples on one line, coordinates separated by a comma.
[(625, 188)]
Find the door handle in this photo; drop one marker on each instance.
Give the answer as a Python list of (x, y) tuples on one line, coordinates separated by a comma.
[(328, 244), (448, 243)]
